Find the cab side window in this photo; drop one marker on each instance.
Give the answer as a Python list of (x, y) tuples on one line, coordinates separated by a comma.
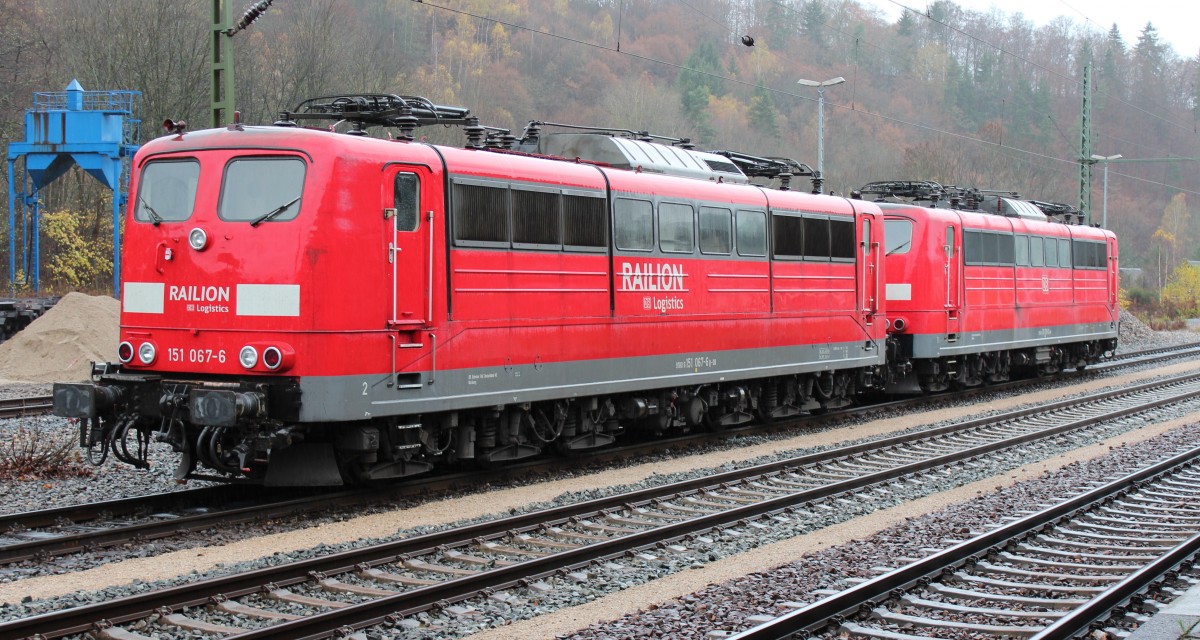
[(407, 201)]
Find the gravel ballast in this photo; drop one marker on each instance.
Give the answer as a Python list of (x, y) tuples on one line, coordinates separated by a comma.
[(115, 480), (630, 574)]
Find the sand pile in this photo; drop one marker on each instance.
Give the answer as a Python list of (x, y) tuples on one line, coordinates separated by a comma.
[(59, 346)]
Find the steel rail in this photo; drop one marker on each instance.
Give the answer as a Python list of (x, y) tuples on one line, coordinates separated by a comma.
[(108, 508), (365, 614), (814, 617), (1097, 609), (153, 529), (27, 406), (212, 499)]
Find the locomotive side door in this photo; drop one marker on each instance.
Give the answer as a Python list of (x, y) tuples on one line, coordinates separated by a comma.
[(408, 216), (869, 249), (1114, 271), (953, 271)]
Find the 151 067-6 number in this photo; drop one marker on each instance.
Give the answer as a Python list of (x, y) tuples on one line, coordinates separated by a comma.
[(195, 356)]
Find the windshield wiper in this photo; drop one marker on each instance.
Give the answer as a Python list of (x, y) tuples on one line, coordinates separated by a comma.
[(154, 217), (274, 212), (903, 245)]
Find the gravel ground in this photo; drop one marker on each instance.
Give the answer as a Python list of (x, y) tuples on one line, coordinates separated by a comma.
[(113, 479), (82, 483), (730, 606), (608, 579), (116, 480)]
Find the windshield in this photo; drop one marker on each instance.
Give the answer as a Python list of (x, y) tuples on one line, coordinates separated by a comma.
[(897, 236), (261, 189), (167, 191)]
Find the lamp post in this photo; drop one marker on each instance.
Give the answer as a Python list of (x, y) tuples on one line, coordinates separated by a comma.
[(821, 117), (1105, 160)]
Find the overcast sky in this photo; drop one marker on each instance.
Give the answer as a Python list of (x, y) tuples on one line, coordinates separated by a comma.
[(1176, 21)]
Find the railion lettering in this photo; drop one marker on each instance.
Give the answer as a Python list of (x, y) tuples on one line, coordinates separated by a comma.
[(198, 293), (647, 276)]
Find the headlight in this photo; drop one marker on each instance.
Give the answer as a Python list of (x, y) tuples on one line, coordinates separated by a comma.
[(146, 353), (198, 239), (248, 357), (125, 352), (272, 358)]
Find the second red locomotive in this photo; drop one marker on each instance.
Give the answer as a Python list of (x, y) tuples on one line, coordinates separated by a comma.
[(985, 286)]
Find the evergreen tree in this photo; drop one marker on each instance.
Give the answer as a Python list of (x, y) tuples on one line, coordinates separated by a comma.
[(780, 20), (1149, 54), (762, 111), (1108, 79), (812, 22), (1195, 106), (1115, 44), (1150, 71), (698, 80), (907, 24)]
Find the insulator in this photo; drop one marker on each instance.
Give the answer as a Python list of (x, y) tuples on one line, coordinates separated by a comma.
[(406, 122), (475, 133), (532, 133), (507, 140), (818, 182), (253, 13)]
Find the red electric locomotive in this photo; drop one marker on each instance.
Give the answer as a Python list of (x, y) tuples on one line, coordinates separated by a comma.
[(301, 306), (983, 286)]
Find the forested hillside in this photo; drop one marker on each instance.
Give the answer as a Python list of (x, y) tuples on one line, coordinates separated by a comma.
[(986, 100)]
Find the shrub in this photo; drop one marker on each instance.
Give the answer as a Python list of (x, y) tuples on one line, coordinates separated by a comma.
[(36, 453), (1137, 298), (1181, 296), (1167, 323)]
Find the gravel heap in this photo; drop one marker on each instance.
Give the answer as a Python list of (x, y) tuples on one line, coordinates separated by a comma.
[(1132, 330), (61, 344), (1133, 335)]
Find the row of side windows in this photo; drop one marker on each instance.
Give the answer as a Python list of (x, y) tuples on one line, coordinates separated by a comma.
[(1090, 254), (488, 216), (811, 237), (548, 218), (721, 230), (1006, 249)]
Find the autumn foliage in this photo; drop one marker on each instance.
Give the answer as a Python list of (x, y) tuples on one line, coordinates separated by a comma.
[(962, 97)]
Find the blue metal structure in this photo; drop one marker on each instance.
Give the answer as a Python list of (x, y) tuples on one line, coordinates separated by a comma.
[(97, 130)]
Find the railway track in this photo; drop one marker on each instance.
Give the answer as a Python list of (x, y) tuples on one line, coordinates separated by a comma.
[(91, 527), (1083, 565), (28, 406), (501, 559)]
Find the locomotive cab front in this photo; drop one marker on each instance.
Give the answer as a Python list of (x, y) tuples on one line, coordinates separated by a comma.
[(247, 268)]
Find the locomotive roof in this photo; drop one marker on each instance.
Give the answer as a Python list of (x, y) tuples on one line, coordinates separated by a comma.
[(639, 155)]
